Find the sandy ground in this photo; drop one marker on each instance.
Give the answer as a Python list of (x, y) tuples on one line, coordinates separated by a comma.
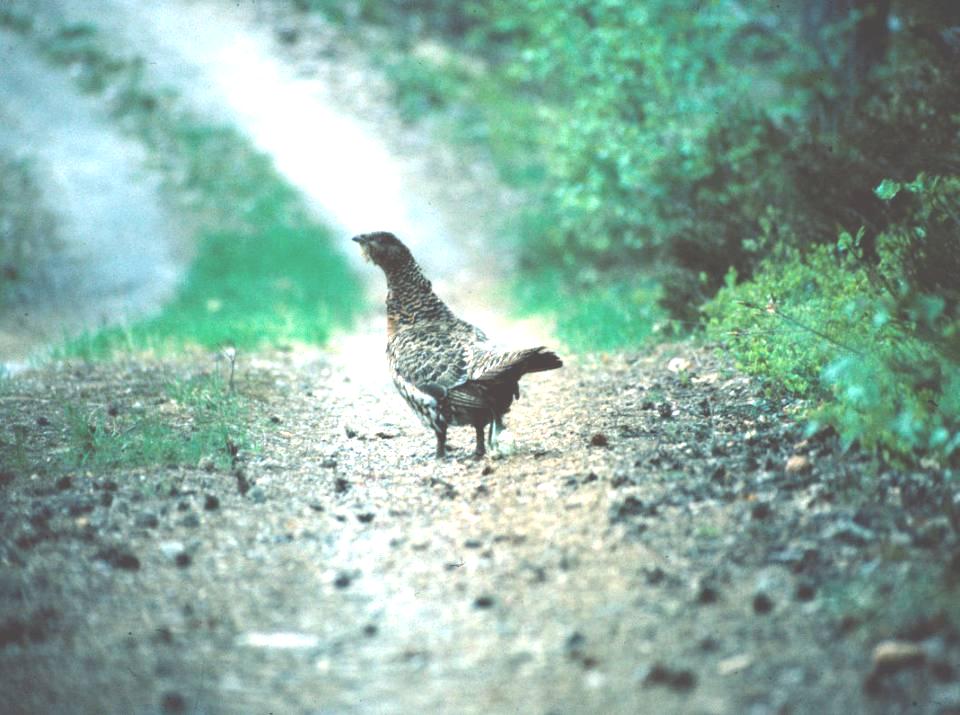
[(661, 540)]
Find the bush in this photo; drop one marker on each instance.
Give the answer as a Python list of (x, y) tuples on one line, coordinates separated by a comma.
[(874, 341)]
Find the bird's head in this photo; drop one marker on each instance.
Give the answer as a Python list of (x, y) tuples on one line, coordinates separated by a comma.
[(384, 249)]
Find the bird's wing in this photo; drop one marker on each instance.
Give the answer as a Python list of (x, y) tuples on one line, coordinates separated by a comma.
[(429, 355)]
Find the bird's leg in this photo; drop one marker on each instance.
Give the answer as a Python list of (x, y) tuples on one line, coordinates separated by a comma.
[(442, 442), (478, 454), (496, 426)]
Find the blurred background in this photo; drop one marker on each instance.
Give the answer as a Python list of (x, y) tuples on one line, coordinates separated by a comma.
[(778, 178)]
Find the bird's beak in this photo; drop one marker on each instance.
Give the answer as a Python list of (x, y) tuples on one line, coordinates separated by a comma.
[(364, 246)]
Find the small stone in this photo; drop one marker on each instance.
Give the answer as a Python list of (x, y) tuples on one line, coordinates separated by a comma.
[(679, 679), (487, 470), (599, 440), (665, 410), (707, 594), (762, 604), (183, 559), (171, 549), (892, 656), (575, 643), (365, 518), (274, 419), (341, 485), (719, 475), (483, 602), (806, 591), (655, 575), (343, 580), (258, 495), (798, 464), (678, 365), (211, 502), (734, 664), (120, 559)]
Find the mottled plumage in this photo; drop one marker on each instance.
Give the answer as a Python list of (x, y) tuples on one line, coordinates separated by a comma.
[(445, 368)]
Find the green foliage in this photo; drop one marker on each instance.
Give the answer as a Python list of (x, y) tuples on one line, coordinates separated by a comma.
[(607, 315), (874, 340), (768, 322), (264, 270), (202, 421)]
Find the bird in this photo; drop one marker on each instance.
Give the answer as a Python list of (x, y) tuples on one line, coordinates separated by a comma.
[(445, 368)]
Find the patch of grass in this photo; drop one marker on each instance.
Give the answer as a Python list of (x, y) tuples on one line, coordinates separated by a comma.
[(264, 272), (200, 419), (592, 316)]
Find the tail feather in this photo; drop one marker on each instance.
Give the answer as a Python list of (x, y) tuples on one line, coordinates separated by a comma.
[(515, 365), (497, 387)]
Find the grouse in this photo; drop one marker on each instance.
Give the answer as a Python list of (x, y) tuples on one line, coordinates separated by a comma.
[(444, 367)]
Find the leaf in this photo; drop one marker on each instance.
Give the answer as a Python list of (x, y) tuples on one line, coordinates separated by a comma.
[(887, 189)]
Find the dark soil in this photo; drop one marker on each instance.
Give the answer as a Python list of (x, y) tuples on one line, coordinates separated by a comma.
[(646, 548)]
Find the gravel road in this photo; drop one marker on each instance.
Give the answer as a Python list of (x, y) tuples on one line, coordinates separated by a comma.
[(661, 539)]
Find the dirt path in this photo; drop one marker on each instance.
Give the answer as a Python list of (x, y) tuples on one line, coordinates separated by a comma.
[(121, 253), (645, 549)]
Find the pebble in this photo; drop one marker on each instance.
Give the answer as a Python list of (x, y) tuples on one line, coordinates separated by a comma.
[(483, 602), (680, 679), (762, 604), (734, 664), (211, 502), (706, 594), (892, 656), (171, 549), (599, 440), (798, 464), (806, 591), (343, 580), (120, 559)]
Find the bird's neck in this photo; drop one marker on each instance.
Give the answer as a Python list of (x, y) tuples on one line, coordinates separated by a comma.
[(410, 298)]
